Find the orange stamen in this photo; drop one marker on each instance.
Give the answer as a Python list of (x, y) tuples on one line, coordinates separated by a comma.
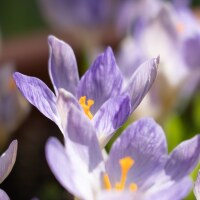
[(86, 107), (125, 164), (133, 187), (107, 182)]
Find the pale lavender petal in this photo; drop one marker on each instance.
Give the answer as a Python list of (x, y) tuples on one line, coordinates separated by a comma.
[(38, 94), (141, 81), (102, 81), (80, 136), (197, 187), (129, 62), (64, 101), (110, 117), (191, 52), (7, 160), (3, 195), (144, 141), (183, 159), (180, 4), (62, 66), (175, 190), (72, 177)]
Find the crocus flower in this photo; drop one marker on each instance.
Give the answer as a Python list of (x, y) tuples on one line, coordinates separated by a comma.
[(69, 13), (178, 33), (197, 187), (104, 95), (7, 160), (13, 107), (94, 19), (73, 15), (138, 165)]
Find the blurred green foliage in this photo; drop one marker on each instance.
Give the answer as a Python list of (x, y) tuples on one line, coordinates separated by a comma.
[(17, 17), (184, 125), (196, 3)]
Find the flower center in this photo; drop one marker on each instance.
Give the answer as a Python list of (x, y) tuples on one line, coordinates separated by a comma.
[(180, 28), (86, 107), (125, 164)]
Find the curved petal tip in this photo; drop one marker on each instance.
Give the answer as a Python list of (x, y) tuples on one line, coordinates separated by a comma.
[(7, 160), (157, 60)]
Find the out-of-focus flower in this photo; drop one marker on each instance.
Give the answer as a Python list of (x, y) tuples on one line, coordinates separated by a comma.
[(71, 13), (137, 167), (13, 107), (94, 20), (174, 33), (7, 160), (131, 10), (197, 187), (111, 98)]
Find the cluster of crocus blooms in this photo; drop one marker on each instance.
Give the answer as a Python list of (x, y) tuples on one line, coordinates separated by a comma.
[(137, 167), (88, 112), (168, 26), (174, 33), (7, 160)]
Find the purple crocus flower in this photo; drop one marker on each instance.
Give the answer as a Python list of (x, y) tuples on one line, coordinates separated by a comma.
[(94, 19), (70, 13), (178, 33), (7, 160), (104, 95), (197, 187), (73, 15), (137, 167)]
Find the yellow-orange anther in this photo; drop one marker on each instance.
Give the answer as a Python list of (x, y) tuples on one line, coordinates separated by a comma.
[(11, 84), (107, 182), (180, 27), (125, 164), (133, 187), (86, 107)]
